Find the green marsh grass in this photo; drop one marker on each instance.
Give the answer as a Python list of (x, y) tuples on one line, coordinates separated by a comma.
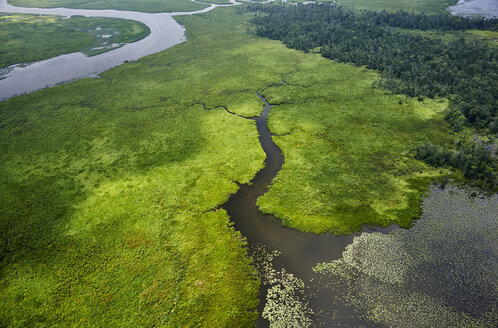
[(110, 187), (28, 38), (347, 148)]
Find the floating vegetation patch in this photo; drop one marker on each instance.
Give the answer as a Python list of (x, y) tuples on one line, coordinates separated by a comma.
[(443, 272), (286, 303)]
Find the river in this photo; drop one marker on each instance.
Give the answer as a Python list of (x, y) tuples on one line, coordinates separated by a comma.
[(299, 252), (469, 8), (165, 32)]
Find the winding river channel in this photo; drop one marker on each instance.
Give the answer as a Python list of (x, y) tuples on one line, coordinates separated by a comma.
[(299, 252), (165, 32)]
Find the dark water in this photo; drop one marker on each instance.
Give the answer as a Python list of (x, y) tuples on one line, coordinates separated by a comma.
[(300, 252)]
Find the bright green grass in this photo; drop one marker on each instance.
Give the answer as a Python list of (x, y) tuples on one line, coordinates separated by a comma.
[(27, 38), (427, 6), (347, 149), (150, 6), (110, 187)]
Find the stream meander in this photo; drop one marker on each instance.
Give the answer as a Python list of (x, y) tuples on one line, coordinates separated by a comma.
[(299, 252)]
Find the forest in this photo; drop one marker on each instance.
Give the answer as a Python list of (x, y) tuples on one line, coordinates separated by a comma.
[(474, 160), (412, 62)]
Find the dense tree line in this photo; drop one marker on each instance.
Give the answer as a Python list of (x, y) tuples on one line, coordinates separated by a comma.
[(476, 162), (411, 63)]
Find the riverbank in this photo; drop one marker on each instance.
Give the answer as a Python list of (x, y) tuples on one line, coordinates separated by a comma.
[(64, 68), (113, 186), (110, 193), (29, 38)]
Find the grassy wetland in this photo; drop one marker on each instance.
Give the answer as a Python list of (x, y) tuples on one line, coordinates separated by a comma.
[(111, 187), (443, 272), (347, 157), (28, 38)]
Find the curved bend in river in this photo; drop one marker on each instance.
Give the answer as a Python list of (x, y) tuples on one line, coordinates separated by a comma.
[(165, 32)]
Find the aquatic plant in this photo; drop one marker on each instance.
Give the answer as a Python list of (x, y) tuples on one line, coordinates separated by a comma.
[(286, 304), (442, 272), (27, 38)]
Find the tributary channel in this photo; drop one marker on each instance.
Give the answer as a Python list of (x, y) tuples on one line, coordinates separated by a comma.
[(299, 252)]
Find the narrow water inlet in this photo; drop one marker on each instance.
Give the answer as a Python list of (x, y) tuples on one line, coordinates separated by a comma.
[(299, 252)]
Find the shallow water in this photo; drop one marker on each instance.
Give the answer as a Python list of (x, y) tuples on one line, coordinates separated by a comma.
[(484, 8), (443, 272), (299, 252)]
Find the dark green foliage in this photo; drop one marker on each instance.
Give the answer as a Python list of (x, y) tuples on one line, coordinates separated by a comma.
[(476, 161), (411, 63)]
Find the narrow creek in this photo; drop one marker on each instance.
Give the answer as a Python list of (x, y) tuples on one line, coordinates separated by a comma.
[(299, 252)]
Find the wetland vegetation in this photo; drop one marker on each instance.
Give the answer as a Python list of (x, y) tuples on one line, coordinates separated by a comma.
[(111, 191), (462, 70), (426, 6), (28, 38), (443, 272), (111, 187)]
